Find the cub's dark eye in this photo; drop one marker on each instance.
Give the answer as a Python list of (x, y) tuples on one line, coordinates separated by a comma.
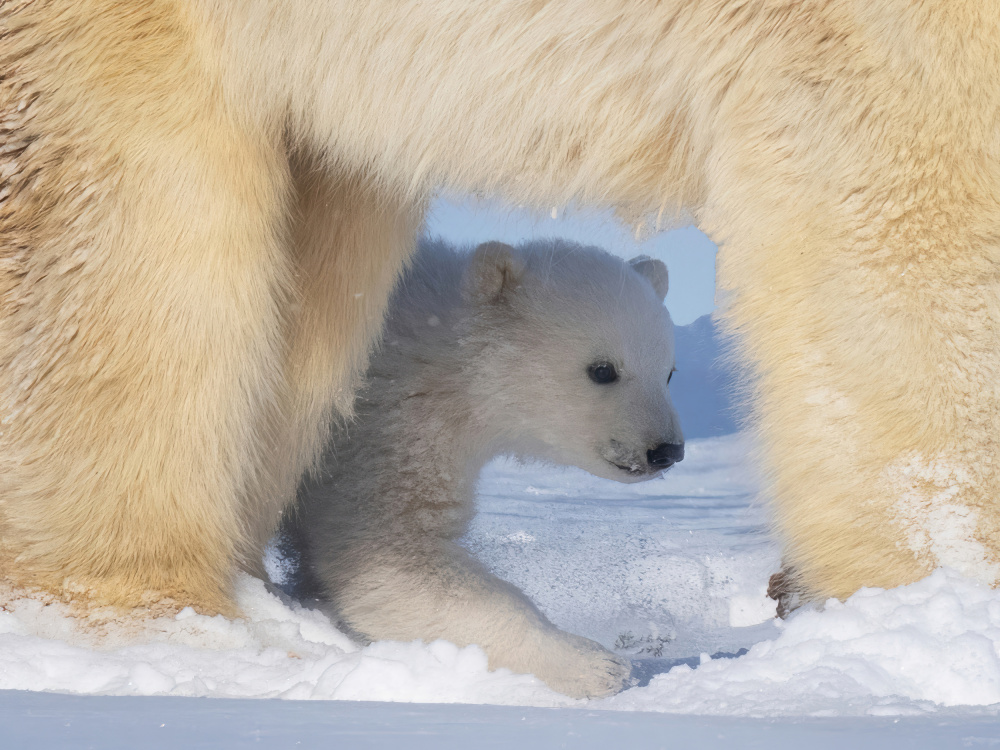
[(602, 373), (670, 376)]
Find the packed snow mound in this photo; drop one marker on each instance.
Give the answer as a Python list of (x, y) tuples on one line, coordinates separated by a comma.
[(280, 650), (911, 650), (903, 651)]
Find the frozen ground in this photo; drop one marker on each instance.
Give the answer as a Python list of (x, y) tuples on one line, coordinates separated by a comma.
[(55, 722), (671, 572)]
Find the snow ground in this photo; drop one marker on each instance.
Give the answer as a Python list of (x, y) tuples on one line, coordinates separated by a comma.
[(671, 572), (55, 722)]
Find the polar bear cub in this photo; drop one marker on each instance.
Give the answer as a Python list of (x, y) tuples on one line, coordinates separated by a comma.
[(548, 351)]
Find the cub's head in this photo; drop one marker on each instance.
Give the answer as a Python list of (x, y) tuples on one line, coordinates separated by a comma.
[(574, 356)]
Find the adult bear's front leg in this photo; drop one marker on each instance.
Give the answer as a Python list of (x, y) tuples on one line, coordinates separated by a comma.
[(868, 311), (876, 419)]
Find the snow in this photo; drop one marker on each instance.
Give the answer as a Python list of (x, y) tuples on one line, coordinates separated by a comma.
[(43, 720), (925, 486), (671, 573), (903, 652), (53, 722), (280, 650)]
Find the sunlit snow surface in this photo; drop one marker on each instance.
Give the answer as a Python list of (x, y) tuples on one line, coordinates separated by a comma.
[(660, 569), (671, 572)]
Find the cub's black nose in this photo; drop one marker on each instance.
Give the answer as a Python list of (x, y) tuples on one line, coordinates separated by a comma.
[(665, 455)]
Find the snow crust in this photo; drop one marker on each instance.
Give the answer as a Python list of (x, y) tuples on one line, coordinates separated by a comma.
[(671, 573)]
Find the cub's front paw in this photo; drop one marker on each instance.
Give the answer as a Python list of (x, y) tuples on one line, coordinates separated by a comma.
[(582, 668)]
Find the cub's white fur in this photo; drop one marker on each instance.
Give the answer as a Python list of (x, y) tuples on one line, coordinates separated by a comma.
[(483, 355)]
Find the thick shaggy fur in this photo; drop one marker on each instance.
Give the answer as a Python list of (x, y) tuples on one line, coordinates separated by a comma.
[(204, 205), (484, 355)]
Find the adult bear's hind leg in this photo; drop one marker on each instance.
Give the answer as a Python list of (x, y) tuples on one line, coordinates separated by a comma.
[(142, 274)]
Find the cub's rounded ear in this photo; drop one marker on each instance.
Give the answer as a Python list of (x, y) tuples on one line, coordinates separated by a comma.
[(494, 271), (655, 272)]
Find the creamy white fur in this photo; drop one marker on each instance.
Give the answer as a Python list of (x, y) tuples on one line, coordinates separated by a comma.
[(486, 355)]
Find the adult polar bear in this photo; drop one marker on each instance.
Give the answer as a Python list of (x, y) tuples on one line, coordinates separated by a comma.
[(204, 204)]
